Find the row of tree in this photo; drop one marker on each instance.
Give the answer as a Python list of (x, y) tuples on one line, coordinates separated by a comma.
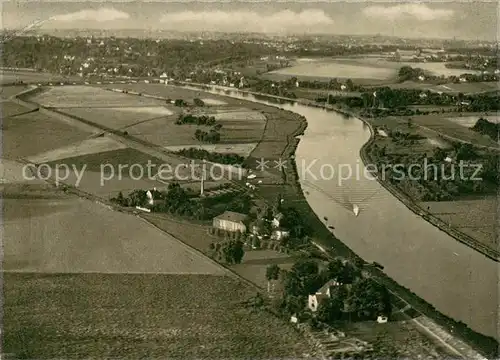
[(212, 136), (220, 158)]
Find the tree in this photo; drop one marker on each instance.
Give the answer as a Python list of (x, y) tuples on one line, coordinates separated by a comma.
[(330, 310), (272, 273), (370, 299), (120, 199), (198, 102), (233, 252), (335, 269), (349, 84)]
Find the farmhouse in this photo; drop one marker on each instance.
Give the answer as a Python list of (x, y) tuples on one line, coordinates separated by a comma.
[(230, 221), (321, 295)]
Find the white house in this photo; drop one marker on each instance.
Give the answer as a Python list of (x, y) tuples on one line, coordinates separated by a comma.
[(421, 78), (343, 87), (277, 220), (321, 295), (152, 195), (279, 234)]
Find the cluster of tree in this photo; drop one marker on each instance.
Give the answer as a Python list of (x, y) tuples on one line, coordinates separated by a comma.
[(212, 136), (407, 73), (197, 120), (355, 295), (180, 103), (274, 88), (198, 102), (482, 102), (220, 158), (231, 252), (485, 127)]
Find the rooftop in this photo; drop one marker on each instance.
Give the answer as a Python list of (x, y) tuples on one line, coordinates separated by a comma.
[(232, 216)]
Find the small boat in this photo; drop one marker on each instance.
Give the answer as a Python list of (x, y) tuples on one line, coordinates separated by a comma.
[(355, 210), (325, 218), (331, 227)]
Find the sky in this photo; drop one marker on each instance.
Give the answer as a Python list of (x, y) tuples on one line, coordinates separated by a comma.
[(463, 20)]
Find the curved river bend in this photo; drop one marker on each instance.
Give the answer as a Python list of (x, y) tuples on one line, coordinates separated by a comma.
[(457, 280)]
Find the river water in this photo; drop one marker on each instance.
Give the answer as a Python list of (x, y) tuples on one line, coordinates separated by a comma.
[(457, 280)]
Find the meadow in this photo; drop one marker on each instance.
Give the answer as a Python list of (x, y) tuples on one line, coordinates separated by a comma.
[(175, 316)]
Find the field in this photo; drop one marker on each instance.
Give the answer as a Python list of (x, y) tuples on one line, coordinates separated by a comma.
[(85, 147), (172, 92), (470, 120), (8, 77), (72, 235), (451, 88), (120, 117), (109, 172), (34, 133), (442, 125), (136, 316), (11, 109), (255, 263), (88, 97), (12, 172), (237, 127), (8, 91), (365, 68), (400, 338), (477, 218)]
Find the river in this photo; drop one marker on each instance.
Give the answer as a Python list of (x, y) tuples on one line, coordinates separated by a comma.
[(457, 280)]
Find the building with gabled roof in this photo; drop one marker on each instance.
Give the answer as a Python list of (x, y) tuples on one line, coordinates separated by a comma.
[(231, 221)]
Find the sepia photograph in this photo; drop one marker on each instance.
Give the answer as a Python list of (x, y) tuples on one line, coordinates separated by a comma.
[(249, 179)]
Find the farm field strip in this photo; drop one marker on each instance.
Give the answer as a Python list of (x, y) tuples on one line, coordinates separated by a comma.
[(74, 96), (85, 147), (470, 121), (171, 92), (34, 133), (114, 118)]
